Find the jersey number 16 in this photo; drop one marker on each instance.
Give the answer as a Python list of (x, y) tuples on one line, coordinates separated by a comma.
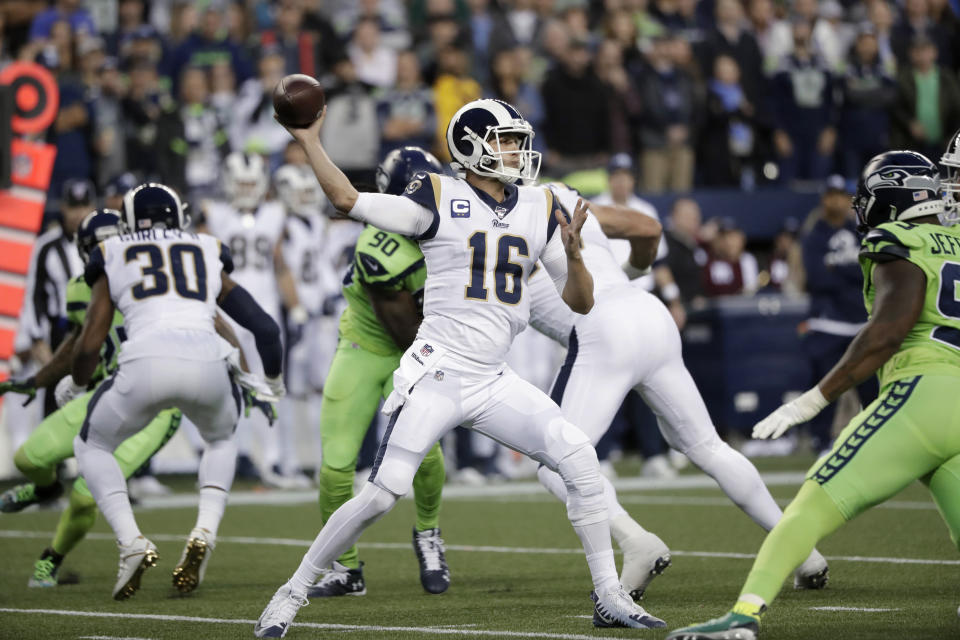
[(476, 289)]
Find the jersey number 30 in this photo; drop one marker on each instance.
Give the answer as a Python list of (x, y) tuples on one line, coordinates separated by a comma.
[(476, 289), (157, 272)]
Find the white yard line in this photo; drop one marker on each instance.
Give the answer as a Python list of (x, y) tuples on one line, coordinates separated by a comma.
[(294, 542), (861, 609), (309, 625)]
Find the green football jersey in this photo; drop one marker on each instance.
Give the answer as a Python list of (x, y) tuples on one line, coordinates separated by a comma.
[(386, 261), (933, 345), (78, 299)]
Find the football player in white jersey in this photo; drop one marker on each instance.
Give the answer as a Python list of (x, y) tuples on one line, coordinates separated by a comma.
[(253, 227), (628, 341), (304, 249), (167, 283), (481, 236)]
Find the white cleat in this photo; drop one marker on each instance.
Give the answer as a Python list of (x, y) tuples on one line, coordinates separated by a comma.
[(813, 573), (616, 609), (135, 558), (279, 614), (645, 556), (189, 572)]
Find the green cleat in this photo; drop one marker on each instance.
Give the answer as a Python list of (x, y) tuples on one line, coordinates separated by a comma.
[(45, 572), (733, 626), (23, 495)]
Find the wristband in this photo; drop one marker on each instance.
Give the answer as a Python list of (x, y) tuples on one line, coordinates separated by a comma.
[(633, 272), (670, 292)]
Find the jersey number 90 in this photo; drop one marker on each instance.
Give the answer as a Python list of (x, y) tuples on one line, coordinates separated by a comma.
[(157, 272)]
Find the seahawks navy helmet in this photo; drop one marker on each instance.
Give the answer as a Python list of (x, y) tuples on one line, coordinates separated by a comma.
[(153, 205), (950, 182), (897, 185), (96, 227), (476, 125), (400, 165)]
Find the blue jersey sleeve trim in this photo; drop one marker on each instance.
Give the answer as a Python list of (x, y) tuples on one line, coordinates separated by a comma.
[(553, 204)]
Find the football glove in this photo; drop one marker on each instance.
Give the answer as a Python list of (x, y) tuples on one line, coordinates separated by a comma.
[(276, 386), (795, 412), (67, 390), (296, 321), (27, 387), (250, 402)]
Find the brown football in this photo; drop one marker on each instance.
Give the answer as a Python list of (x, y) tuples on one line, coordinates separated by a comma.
[(298, 100)]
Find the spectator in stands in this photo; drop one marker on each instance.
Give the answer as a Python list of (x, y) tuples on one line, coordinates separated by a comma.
[(143, 44), (443, 32), (108, 87), (773, 35), (209, 44), (679, 16), (927, 103), (310, 49), (130, 19), (946, 18), (915, 22), (880, 16), (668, 123), (481, 26), (508, 82), (577, 109), (405, 112), (351, 133), (867, 91), (805, 112), (69, 11), (142, 107), (223, 92), (327, 43), (519, 24), (835, 284), (727, 142), (192, 140), (621, 27), (376, 63), (825, 39), (452, 89), (623, 97), (730, 37), (391, 17), (784, 272), (730, 269), (685, 257), (252, 126)]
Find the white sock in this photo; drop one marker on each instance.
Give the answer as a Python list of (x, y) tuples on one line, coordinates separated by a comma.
[(213, 501), (739, 479), (215, 477), (341, 531), (595, 539), (109, 489)]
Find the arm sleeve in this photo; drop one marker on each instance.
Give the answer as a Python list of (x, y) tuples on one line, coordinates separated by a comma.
[(554, 260), (396, 214), (95, 266), (226, 259), (239, 305)]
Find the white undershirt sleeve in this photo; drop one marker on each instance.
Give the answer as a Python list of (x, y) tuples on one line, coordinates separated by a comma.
[(395, 214)]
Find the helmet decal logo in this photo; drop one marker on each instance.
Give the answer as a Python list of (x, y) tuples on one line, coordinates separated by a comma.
[(414, 185), (920, 195)]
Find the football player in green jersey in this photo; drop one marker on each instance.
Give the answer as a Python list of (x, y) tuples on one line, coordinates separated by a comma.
[(384, 292), (52, 441), (911, 267)]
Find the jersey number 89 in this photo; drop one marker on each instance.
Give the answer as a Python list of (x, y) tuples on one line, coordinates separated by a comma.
[(156, 275)]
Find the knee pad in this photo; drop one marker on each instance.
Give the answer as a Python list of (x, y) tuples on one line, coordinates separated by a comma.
[(376, 501), (395, 470), (702, 453), (581, 475)]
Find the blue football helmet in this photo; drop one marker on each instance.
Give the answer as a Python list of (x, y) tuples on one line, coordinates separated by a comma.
[(153, 205), (897, 185), (950, 183), (400, 165), (96, 227), (476, 125), (120, 184)]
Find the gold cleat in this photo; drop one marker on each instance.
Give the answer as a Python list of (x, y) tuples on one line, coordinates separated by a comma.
[(188, 573), (132, 568)]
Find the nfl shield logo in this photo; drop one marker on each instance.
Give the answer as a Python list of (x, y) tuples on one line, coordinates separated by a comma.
[(426, 350)]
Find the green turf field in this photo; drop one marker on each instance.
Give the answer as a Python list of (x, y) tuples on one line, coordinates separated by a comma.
[(516, 572)]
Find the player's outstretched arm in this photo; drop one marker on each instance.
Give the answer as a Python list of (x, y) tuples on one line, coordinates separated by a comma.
[(384, 211), (900, 288), (96, 326), (563, 261), (240, 305), (641, 230)]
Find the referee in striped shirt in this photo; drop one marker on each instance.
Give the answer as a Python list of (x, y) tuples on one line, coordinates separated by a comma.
[(53, 263)]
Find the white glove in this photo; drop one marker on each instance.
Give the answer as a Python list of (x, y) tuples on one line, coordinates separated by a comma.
[(796, 412), (276, 387), (67, 390)]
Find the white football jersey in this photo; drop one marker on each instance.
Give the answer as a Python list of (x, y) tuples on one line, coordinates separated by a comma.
[(164, 282), (621, 247), (479, 255), (303, 250), (251, 238)]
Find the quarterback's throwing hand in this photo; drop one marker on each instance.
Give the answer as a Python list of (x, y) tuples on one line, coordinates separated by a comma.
[(570, 231), (796, 412), (306, 134)]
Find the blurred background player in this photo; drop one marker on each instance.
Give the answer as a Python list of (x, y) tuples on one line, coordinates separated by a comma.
[(253, 227), (304, 250), (384, 291), (912, 431), (167, 283)]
